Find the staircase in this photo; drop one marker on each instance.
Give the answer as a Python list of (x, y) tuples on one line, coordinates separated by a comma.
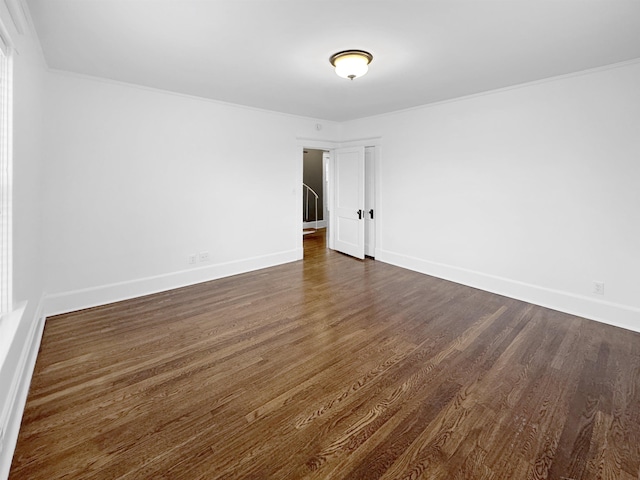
[(308, 192)]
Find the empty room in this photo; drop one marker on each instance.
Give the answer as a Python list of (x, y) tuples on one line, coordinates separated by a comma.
[(278, 239)]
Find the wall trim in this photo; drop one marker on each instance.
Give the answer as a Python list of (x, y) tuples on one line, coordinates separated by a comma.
[(317, 143), (361, 142), (321, 224), (11, 417), (618, 315), (70, 301), (325, 144), (495, 91), (17, 14), (189, 96)]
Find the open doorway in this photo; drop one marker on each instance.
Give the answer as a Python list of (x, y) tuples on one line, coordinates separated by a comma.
[(314, 191), (331, 177)]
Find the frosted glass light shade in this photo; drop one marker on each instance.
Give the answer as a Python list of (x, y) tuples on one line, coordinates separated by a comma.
[(351, 63)]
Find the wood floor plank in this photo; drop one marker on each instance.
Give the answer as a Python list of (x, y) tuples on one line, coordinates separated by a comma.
[(335, 368)]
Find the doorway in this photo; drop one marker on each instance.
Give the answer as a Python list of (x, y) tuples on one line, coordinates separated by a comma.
[(366, 207), (314, 190)]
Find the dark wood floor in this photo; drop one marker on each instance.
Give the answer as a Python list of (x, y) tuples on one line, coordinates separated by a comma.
[(331, 368)]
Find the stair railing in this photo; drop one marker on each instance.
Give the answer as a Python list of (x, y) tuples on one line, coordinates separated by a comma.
[(309, 190)]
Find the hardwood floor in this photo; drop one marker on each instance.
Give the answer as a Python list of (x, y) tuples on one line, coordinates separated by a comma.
[(331, 368)]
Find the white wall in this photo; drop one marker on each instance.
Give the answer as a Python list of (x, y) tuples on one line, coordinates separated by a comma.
[(533, 192), (139, 179), (20, 330)]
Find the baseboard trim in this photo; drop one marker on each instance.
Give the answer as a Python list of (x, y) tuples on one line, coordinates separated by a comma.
[(321, 224), (618, 315), (71, 301), (19, 389)]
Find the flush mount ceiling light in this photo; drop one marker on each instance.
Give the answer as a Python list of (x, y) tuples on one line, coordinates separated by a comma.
[(351, 63)]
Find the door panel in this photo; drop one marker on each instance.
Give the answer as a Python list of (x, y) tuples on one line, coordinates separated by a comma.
[(348, 218)]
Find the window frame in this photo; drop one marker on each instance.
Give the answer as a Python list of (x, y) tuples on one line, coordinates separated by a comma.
[(6, 178)]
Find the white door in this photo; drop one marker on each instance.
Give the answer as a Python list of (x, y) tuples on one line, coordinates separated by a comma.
[(369, 202), (348, 216)]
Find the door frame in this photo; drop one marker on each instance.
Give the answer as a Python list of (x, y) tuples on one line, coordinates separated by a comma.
[(376, 144), (330, 146), (302, 144)]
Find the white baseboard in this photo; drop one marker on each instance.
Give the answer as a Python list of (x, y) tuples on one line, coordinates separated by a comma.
[(321, 224), (91, 297), (618, 315), (16, 395)]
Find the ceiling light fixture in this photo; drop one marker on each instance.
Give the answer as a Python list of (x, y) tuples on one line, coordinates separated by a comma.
[(351, 63)]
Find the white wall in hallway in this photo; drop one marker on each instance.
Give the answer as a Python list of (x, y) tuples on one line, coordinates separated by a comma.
[(533, 191), (138, 179)]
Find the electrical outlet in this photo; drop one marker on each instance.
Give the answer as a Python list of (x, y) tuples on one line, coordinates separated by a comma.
[(598, 288), (203, 256), (192, 259)]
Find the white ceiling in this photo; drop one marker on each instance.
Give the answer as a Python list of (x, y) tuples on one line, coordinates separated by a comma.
[(273, 54)]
